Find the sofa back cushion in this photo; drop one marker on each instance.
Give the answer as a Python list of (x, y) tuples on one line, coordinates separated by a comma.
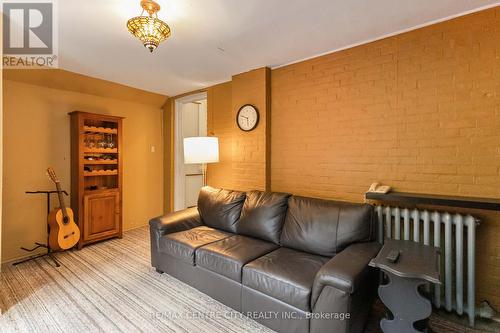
[(325, 227), (219, 208), (263, 215)]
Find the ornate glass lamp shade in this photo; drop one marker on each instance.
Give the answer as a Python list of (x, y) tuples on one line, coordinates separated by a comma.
[(149, 29)]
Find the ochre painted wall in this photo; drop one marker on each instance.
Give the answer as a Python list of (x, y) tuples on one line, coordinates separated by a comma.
[(61, 79), (168, 155), (36, 135), (1, 157), (418, 111), (221, 124)]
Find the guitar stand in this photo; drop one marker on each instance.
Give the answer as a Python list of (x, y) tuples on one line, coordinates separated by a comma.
[(49, 252)]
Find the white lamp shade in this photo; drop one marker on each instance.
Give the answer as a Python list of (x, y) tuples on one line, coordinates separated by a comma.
[(201, 149)]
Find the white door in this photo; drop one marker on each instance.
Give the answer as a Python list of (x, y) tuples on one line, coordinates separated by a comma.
[(191, 122)]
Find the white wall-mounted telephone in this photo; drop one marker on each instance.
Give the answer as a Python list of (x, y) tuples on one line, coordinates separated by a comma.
[(377, 188)]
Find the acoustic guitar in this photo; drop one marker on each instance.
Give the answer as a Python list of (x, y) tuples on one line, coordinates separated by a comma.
[(64, 233)]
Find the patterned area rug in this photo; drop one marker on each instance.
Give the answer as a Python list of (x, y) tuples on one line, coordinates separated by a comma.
[(110, 287)]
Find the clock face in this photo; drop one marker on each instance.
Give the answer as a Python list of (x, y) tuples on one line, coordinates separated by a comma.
[(247, 118)]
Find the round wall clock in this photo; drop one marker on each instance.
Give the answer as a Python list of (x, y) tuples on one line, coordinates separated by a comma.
[(247, 117)]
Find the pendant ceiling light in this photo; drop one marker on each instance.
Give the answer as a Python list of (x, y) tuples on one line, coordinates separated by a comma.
[(149, 29)]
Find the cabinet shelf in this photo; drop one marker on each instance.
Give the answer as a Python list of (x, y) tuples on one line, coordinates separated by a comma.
[(101, 191), (94, 129), (100, 151), (100, 173), (100, 162)]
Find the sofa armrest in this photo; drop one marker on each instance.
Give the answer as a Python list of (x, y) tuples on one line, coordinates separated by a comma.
[(170, 223), (175, 222), (346, 270)]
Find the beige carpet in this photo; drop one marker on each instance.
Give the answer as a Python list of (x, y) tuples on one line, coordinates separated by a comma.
[(110, 287)]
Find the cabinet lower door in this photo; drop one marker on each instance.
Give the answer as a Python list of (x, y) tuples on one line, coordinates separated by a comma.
[(101, 215)]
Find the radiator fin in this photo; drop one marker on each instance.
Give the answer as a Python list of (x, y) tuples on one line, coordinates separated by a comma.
[(430, 228)]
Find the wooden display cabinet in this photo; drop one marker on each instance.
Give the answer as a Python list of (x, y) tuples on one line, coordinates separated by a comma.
[(96, 175)]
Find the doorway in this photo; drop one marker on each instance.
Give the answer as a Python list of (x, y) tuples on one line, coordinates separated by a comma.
[(190, 121)]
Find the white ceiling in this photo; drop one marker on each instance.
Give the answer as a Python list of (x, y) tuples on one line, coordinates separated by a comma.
[(215, 39)]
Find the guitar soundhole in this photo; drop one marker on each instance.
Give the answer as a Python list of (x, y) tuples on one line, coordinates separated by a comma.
[(65, 220)]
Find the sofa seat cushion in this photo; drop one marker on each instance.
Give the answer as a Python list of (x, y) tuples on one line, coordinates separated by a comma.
[(228, 256), (182, 245), (285, 274)]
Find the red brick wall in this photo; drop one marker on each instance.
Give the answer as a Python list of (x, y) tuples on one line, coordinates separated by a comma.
[(249, 159), (244, 156), (418, 111)]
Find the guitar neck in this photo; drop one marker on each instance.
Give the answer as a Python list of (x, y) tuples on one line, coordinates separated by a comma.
[(61, 198)]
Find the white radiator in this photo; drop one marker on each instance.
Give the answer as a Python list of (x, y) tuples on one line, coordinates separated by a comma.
[(428, 228)]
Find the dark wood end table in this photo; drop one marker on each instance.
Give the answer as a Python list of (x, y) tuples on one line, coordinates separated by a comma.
[(417, 265)]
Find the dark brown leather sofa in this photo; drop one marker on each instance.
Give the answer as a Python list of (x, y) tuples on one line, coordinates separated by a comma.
[(294, 264)]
